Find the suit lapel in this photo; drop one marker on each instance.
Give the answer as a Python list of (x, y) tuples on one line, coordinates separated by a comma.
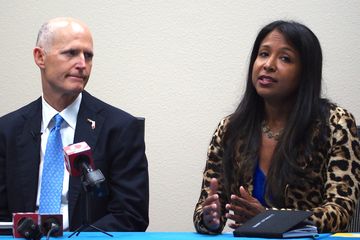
[(28, 155), (89, 111)]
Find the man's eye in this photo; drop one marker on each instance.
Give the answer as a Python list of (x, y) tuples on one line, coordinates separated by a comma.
[(70, 53), (88, 56)]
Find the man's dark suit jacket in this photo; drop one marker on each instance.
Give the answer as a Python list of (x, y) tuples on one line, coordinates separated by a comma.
[(118, 149)]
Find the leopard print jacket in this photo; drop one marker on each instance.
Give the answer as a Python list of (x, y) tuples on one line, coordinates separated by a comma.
[(337, 174)]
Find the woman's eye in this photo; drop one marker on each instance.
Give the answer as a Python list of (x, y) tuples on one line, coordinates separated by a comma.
[(285, 59), (263, 54)]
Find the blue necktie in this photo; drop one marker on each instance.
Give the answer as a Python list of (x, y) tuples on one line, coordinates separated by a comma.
[(53, 171)]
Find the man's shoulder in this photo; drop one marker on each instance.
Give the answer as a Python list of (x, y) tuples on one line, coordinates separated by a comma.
[(105, 109), (27, 110)]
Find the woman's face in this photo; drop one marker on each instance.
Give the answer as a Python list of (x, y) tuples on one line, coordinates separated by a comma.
[(276, 69)]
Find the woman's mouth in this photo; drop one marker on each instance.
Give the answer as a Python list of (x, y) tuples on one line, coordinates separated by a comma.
[(266, 80)]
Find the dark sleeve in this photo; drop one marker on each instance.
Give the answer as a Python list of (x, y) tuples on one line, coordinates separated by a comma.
[(128, 180), (4, 210)]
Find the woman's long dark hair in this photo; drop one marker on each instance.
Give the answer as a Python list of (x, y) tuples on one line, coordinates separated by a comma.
[(243, 134)]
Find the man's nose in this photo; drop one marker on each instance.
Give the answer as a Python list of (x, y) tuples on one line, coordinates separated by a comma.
[(81, 62)]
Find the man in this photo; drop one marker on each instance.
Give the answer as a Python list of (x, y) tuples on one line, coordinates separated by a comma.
[(63, 53)]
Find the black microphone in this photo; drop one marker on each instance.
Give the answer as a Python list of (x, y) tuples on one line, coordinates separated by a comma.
[(51, 225), (25, 225), (79, 162), (92, 177)]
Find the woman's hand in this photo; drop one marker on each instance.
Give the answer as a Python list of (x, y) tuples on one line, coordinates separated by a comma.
[(211, 207), (243, 208)]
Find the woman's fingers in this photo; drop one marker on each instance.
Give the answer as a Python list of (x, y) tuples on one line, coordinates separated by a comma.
[(233, 225), (211, 216), (243, 207), (211, 199), (214, 185)]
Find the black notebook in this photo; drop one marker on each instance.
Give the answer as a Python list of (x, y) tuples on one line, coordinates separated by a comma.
[(278, 224)]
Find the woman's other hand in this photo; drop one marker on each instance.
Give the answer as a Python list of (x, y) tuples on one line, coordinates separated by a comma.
[(211, 207), (242, 208)]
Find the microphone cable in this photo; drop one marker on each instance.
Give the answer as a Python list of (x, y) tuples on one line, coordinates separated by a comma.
[(53, 229)]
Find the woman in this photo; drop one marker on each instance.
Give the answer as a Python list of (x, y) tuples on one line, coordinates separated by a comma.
[(284, 147)]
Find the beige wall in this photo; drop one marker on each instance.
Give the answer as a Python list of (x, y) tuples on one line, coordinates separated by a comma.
[(180, 64)]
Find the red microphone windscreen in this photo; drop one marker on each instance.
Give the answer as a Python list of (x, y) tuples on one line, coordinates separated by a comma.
[(75, 153), (18, 220)]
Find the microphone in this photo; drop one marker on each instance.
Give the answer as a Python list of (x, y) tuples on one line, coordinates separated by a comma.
[(76, 155), (79, 162), (25, 225), (52, 225)]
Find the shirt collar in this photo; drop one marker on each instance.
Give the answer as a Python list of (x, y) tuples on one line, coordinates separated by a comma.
[(69, 114)]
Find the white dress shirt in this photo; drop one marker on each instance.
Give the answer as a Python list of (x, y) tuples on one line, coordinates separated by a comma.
[(67, 131)]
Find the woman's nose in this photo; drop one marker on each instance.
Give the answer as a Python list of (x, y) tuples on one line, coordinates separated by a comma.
[(270, 65)]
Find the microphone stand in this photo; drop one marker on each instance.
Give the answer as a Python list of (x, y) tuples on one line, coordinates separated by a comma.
[(91, 181)]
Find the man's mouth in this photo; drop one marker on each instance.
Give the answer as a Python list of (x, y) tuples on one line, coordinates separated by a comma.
[(80, 77)]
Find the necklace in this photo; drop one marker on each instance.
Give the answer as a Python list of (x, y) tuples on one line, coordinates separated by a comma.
[(266, 129)]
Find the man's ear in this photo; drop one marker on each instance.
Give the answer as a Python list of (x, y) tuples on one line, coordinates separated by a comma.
[(39, 57)]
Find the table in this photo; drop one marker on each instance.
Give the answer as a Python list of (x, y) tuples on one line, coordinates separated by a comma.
[(162, 236)]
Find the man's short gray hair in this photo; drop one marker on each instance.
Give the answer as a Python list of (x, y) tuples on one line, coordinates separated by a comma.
[(45, 36)]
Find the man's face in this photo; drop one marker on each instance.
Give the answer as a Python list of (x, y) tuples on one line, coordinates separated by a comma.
[(67, 63)]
